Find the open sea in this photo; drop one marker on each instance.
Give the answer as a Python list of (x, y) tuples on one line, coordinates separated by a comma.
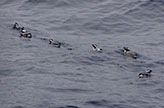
[(35, 74)]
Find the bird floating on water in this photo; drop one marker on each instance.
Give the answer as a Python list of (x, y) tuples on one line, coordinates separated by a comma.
[(52, 42), (26, 35), (128, 52), (95, 48), (16, 26), (147, 73)]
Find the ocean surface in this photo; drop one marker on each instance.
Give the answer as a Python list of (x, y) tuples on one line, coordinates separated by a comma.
[(34, 74)]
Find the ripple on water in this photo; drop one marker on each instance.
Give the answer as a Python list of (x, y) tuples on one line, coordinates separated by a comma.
[(109, 104), (67, 106), (161, 62), (92, 60), (146, 82), (158, 90), (18, 107), (67, 90), (98, 103), (6, 72)]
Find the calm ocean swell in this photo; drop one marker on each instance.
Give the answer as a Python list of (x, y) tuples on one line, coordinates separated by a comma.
[(34, 74)]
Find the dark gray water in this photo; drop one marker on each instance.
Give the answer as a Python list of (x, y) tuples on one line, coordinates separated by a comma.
[(34, 74)]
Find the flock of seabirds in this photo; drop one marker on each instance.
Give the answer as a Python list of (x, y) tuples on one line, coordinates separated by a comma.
[(126, 50)]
